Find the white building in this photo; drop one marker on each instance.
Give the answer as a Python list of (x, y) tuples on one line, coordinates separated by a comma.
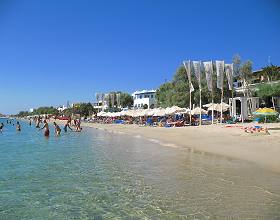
[(144, 97), (101, 106)]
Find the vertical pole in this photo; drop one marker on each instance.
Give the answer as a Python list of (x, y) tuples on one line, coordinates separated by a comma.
[(212, 109), (200, 105), (232, 101), (190, 107), (222, 94)]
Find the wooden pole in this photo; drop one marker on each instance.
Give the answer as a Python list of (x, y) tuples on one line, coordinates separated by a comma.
[(200, 105), (212, 109), (190, 107), (221, 109)]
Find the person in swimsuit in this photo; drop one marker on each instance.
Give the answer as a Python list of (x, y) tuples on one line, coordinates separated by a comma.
[(1, 127), (38, 123), (57, 129), (78, 124), (47, 130), (67, 126), (18, 127), (30, 122)]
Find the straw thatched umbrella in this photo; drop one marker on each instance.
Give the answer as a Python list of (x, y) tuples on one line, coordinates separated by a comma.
[(197, 110)]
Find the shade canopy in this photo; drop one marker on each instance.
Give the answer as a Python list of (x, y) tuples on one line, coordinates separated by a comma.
[(217, 107), (197, 111), (265, 112)]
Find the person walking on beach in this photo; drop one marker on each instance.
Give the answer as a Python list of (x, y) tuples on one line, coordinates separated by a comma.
[(57, 129), (67, 126), (18, 127), (47, 130)]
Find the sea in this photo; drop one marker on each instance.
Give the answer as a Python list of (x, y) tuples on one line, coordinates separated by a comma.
[(97, 174)]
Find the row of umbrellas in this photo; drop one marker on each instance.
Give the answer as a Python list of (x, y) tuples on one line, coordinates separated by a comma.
[(158, 112)]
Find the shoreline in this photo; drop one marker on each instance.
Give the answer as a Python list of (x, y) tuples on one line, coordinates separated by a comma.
[(263, 150)]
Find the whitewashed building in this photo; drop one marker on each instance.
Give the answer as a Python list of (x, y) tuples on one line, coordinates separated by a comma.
[(61, 108), (144, 98)]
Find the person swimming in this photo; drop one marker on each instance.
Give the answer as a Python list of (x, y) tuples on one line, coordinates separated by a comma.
[(18, 127), (47, 130), (67, 126), (1, 127), (57, 129)]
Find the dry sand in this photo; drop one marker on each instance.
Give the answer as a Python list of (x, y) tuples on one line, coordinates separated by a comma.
[(263, 150)]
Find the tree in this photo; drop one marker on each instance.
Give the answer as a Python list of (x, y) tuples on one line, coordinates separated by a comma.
[(268, 91), (271, 73), (126, 100), (236, 65)]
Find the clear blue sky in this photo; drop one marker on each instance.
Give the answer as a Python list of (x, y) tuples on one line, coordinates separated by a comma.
[(53, 51)]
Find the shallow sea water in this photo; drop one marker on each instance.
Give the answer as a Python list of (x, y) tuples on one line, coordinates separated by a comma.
[(98, 174)]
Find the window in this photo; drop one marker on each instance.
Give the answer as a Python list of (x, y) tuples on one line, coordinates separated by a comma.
[(140, 96), (152, 96), (146, 96)]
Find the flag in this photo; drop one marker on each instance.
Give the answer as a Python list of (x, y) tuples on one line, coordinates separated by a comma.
[(196, 66), (220, 73), (187, 66), (208, 67), (229, 74)]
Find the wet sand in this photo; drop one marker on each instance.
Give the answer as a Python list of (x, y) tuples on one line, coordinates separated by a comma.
[(233, 142)]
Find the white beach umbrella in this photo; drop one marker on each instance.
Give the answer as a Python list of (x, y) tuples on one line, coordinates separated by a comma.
[(208, 105), (197, 110), (159, 112), (172, 110), (123, 113), (99, 114), (185, 111), (217, 107), (143, 112)]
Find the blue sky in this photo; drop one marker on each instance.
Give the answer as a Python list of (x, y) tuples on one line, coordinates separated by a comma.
[(54, 51)]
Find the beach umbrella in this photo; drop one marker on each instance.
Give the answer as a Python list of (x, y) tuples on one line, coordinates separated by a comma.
[(197, 110), (208, 105), (185, 111), (172, 110), (218, 107), (159, 112), (265, 112)]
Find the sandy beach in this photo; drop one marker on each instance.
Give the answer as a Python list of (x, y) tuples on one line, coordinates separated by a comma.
[(233, 142)]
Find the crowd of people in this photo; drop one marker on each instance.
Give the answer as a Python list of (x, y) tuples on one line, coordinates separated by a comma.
[(45, 125)]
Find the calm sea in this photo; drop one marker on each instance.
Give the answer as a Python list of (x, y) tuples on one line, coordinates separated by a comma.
[(101, 175)]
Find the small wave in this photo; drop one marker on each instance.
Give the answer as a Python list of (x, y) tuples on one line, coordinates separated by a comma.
[(169, 145)]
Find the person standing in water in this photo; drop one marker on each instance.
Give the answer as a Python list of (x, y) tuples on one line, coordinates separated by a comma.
[(30, 122), (57, 129), (67, 126), (18, 127), (38, 122), (47, 130), (1, 127)]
